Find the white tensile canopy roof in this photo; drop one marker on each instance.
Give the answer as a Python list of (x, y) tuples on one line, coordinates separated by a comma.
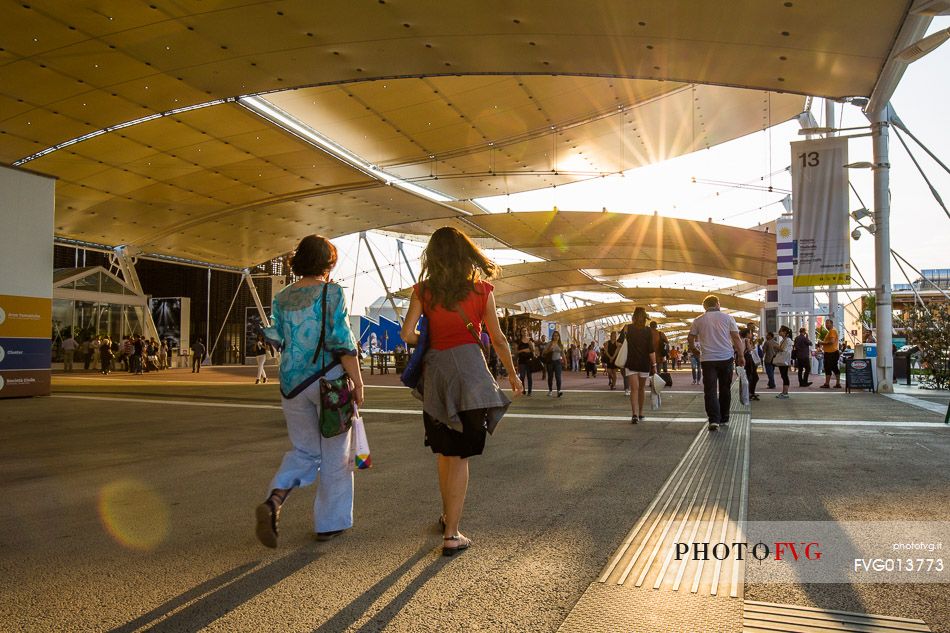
[(467, 99)]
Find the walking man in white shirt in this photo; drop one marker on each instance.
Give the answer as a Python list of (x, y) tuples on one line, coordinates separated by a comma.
[(718, 336)]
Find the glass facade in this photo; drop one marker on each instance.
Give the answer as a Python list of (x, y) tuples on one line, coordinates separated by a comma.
[(89, 302)]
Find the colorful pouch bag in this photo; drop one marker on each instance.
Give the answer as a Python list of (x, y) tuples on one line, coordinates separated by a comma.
[(337, 408)]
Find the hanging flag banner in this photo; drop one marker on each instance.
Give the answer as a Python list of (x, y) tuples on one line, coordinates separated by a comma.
[(820, 211), (787, 301)]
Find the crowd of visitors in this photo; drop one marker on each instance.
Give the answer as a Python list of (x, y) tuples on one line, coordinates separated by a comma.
[(133, 354)]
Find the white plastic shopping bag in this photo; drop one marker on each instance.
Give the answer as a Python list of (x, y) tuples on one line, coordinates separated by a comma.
[(657, 385), (743, 386), (360, 458)]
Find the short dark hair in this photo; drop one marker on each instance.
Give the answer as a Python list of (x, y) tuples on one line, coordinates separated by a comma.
[(315, 255)]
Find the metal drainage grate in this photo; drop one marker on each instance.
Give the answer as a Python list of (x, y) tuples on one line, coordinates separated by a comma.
[(766, 617)]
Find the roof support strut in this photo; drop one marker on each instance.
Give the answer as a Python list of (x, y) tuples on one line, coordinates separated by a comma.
[(382, 278), (122, 260)]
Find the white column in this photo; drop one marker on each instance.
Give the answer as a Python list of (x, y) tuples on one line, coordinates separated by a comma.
[(882, 250)]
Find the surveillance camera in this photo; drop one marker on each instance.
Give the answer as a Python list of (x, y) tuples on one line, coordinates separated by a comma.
[(856, 234), (872, 229)]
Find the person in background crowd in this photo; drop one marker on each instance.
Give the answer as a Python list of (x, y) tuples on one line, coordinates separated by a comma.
[(260, 355), (198, 354), (576, 357), (829, 346), (611, 347), (751, 367), (126, 354), (590, 361), (310, 322), (783, 357), (461, 401), (662, 346), (802, 355), (105, 355), (526, 350), (719, 343), (138, 352), (555, 351), (641, 361), (163, 356), (675, 357), (697, 374), (69, 350), (768, 355), (96, 350), (545, 360), (85, 352)]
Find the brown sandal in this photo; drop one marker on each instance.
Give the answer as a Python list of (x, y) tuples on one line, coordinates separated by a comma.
[(464, 544)]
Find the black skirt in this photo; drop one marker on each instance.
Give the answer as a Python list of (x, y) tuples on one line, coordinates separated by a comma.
[(451, 443)]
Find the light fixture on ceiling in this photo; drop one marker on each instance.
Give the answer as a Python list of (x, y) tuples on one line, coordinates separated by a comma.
[(927, 45), (275, 115)]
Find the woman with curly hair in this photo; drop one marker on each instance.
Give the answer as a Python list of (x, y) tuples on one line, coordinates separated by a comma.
[(461, 400), (305, 314)]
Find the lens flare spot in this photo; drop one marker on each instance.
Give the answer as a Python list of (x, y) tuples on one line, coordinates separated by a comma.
[(560, 243), (134, 514)]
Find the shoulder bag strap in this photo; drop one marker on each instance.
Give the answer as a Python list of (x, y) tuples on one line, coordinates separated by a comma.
[(323, 325), (468, 324)]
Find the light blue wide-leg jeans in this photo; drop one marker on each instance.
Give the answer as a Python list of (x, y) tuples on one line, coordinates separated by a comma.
[(313, 454)]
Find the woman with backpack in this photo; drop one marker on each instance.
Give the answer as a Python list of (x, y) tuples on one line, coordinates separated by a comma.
[(461, 400), (309, 321)]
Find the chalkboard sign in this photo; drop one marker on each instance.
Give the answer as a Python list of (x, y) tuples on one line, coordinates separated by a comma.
[(859, 374)]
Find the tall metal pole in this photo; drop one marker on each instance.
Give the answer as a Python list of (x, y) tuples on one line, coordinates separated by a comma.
[(882, 249), (832, 293), (208, 314)]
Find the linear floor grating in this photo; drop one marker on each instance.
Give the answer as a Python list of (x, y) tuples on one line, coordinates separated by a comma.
[(704, 500), (767, 617)]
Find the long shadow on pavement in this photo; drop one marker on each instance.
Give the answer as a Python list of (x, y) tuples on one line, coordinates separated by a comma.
[(227, 592), (352, 612)]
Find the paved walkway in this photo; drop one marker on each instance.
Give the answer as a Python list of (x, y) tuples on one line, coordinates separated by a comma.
[(130, 498)]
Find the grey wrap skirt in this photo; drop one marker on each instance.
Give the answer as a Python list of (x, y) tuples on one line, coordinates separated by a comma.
[(458, 392)]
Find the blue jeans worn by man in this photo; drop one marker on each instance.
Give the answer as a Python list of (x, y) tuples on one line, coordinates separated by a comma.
[(770, 372), (717, 385)]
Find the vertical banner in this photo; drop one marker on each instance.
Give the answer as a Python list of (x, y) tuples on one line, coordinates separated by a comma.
[(787, 299), (26, 283), (820, 212)]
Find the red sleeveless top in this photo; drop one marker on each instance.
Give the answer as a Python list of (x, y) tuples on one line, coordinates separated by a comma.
[(446, 328)]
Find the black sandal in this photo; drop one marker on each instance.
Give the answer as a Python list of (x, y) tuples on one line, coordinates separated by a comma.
[(268, 515), (464, 544), (326, 536)]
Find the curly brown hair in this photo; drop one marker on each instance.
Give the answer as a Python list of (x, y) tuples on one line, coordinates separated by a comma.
[(315, 255), (451, 266)]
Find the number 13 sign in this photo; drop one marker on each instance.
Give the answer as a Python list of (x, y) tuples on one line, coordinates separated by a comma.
[(822, 252)]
